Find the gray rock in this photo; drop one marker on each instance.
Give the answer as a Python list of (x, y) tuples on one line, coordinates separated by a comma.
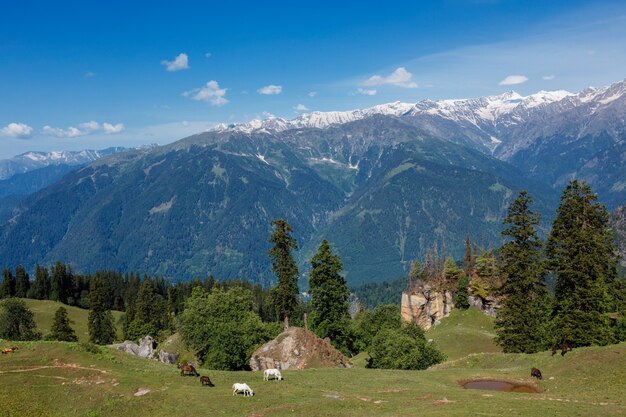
[(170, 358), (128, 347), (147, 347)]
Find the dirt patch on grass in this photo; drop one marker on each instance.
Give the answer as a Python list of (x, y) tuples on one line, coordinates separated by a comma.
[(56, 363)]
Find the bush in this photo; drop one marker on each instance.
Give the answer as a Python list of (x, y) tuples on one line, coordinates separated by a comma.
[(222, 327), (404, 348), (368, 323)]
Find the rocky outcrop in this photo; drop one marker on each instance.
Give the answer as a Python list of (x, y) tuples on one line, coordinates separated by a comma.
[(170, 358), (426, 307), (488, 306), (296, 348), (145, 349)]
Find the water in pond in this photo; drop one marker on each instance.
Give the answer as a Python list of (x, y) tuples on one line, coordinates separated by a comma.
[(495, 385)]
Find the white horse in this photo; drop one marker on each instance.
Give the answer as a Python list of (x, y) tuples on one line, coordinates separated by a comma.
[(247, 391), (272, 372)]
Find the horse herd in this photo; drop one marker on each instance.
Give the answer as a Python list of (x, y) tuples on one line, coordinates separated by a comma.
[(238, 388)]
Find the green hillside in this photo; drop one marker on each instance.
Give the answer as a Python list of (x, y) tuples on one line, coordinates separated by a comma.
[(44, 314), (464, 333), (61, 379)]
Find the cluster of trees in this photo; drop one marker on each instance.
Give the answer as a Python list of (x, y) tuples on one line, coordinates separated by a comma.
[(579, 253), (17, 323), (224, 321), (223, 326), (479, 272)]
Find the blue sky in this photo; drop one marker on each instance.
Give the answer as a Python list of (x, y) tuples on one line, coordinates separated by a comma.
[(82, 75)]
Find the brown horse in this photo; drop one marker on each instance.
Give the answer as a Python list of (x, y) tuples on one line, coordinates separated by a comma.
[(205, 380), (565, 347), (187, 369), (9, 349)]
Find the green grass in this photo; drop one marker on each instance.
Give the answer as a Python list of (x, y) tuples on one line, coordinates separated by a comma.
[(44, 310), (464, 333), (60, 379)]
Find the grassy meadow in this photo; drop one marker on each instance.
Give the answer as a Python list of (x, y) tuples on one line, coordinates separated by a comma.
[(64, 379), (43, 311)]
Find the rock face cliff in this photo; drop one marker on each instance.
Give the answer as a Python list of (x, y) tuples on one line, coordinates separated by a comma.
[(426, 307)]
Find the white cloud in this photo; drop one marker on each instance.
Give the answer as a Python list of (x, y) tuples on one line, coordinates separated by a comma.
[(90, 74), (270, 89), (365, 92), (548, 77), (70, 132), (111, 129), (400, 77), (513, 80), (16, 130), (211, 93), (83, 129), (181, 62), (312, 93), (301, 107), (89, 126), (208, 55)]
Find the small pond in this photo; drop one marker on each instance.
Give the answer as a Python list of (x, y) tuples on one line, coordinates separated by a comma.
[(497, 385)]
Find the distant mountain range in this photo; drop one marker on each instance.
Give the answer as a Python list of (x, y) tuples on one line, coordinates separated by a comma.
[(381, 184)]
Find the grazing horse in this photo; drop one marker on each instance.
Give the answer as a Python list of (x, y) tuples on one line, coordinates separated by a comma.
[(187, 369), (9, 349), (565, 347), (272, 372), (205, 380), (247, 391), (536, 373)]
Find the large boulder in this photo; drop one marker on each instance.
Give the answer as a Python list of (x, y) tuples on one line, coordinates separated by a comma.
[(145, 349), (296, 348), (128, 347)]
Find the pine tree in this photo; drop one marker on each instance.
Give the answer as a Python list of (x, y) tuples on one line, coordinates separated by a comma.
[(414, 275), (150, 311), (285, 294), (22, 282), (461, 297), (16, 321), (581, 253), (329, 297), (468, 259), (61, 329), (60, 283), (7, 288), (40, 289), (522, 319), (452, 274), (100, 320)]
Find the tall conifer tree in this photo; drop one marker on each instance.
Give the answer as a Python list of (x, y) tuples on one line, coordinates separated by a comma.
[(522, 319), (329, 297), (61, 329), (285, 294), (22, 282), (100, 320), (581, 253), (7, 288)]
